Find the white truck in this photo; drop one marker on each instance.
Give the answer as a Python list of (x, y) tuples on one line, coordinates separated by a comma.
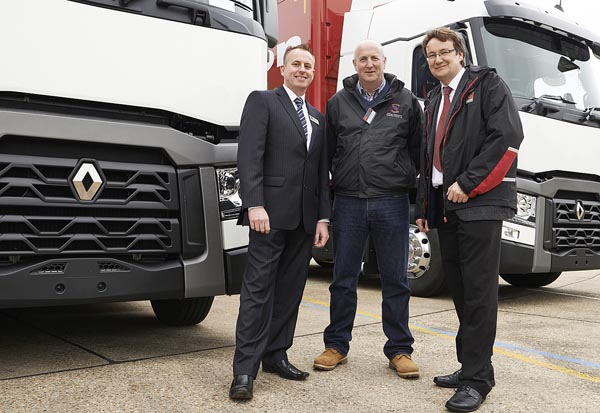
[(118, 127), (552, 66)]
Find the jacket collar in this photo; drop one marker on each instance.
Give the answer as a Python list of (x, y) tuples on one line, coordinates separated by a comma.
[(396, 84)]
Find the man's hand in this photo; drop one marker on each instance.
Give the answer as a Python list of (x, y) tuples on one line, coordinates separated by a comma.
[(321, 235), (259, 220), (456, 194), (423, 225)]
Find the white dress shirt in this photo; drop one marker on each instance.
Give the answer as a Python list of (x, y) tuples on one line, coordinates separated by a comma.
[(437, 177)]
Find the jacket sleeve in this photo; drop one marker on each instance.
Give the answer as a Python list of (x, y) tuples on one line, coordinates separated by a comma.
[(420, 211), (416, 133), (251, 149), (502, 134), (331, 132), (324, 191)]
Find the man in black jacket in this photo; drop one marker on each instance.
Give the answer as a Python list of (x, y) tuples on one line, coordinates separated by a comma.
[(373, 132), (284, 185), (466, 188)]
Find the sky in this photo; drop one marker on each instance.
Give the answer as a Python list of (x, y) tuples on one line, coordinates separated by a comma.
[(586, 12)]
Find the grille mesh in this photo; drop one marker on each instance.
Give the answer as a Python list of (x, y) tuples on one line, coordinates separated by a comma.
[(569, 232), (136, 210)]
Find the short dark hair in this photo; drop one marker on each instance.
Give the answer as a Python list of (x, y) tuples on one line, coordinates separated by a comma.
[(302, 46), (444, 34)]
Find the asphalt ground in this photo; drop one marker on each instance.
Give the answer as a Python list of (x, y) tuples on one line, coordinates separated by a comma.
[(118, 358)]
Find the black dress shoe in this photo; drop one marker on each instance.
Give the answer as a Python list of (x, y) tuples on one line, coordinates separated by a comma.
[(241, 387), (451, 381), (286, 370), (466, 399)]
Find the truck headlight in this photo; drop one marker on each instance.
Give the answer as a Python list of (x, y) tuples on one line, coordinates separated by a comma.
[(229, 193), (525, 209)]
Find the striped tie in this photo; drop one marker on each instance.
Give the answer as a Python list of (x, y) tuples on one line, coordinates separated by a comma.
[(299, 102)]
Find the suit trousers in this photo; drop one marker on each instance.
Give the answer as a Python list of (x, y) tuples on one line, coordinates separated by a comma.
[(272, 289), (471, 257)]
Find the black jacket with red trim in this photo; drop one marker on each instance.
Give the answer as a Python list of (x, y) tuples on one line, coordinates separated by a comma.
[(479, 149)]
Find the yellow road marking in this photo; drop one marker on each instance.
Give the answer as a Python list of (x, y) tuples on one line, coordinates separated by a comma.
[(497, 350)]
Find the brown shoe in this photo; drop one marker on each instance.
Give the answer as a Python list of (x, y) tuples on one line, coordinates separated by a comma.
[(404, 366), (329, 359)]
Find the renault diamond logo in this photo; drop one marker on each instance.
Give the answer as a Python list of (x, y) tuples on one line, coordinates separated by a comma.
[(87, 181), (579, 211)]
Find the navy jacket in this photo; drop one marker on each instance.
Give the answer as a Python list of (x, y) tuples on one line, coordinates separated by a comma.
[(378, 158)]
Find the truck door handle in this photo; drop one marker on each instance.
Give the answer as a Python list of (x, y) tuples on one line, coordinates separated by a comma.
[(200, 13)]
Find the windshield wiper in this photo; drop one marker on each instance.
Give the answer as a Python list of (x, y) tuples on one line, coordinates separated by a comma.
[(592, 114), (546, 104)]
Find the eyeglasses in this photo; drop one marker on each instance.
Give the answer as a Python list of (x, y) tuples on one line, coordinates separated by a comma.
[(442, 54)]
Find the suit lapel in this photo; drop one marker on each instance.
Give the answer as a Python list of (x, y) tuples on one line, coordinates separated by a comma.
[(313, 114), (291, 111)]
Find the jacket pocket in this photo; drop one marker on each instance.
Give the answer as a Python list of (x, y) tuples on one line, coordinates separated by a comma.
[(273, 180)]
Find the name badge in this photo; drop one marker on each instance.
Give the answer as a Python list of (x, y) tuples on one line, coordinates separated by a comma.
[(369, 116), (313, 119)]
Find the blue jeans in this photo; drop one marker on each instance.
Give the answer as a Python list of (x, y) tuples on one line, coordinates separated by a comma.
[(386, 220)]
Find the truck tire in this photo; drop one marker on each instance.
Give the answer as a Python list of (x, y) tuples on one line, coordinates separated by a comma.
[(425, 273), (531, 280), (186, 312)]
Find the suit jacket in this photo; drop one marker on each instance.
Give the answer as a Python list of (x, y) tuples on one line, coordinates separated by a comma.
[(275, 168)]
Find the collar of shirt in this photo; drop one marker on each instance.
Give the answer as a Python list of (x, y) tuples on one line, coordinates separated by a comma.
[(370, 96), (293, 96), (454, 82)]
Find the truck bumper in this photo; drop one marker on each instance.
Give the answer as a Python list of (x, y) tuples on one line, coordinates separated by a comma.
[(520, 259), (86, 280)]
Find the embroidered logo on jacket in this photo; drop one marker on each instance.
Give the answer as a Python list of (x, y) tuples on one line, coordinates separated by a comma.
[(394, 111)]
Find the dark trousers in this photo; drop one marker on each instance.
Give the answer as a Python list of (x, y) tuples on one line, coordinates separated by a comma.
[(471, 258), (272, 289), (386, 220)]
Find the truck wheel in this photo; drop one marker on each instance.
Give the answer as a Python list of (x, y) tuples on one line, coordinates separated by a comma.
[(531, 280), (425, 274), (186, 312)]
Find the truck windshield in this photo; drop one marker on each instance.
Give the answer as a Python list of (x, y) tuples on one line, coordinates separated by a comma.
[(534, 61), (243, 7)]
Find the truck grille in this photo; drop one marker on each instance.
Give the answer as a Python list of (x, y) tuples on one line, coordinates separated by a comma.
[(576, 225), (135, 210)]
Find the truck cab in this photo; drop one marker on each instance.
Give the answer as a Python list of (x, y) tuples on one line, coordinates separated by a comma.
[(118, 127)]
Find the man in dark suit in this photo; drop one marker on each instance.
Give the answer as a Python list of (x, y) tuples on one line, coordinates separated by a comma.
[(284, 186)]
